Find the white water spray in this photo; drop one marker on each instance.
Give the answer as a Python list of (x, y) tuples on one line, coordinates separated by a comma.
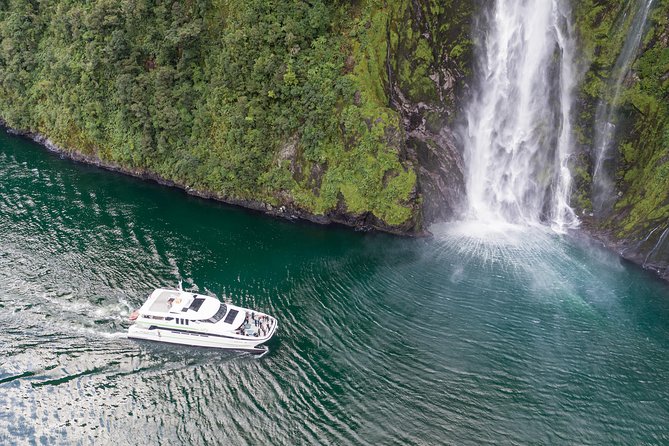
[(518, 139), (605, 116)]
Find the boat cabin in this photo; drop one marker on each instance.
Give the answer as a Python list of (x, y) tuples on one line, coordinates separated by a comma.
[(165, 303)]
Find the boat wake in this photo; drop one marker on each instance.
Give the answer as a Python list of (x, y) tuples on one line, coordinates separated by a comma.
[(106, 335)]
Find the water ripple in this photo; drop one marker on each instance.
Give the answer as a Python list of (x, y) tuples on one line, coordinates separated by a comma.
[(475, 336)]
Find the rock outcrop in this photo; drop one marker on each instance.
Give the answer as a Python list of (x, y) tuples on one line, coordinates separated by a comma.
[(636, 221)]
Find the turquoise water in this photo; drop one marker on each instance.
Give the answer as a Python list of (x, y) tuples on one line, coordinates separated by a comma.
[(473, 336)]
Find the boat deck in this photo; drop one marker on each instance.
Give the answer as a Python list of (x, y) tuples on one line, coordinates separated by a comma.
[(164, 301)]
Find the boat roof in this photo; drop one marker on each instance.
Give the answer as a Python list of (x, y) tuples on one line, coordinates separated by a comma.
[(164, 302)]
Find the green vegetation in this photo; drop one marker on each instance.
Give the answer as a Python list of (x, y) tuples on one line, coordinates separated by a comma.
[(435, 40), (282, 102), (643, 145), (288, 102)]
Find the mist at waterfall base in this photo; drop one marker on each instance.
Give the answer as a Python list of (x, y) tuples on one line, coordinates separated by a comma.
[(604, 155), (477, 335)]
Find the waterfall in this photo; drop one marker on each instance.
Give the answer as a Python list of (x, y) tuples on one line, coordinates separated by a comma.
[(518, 137), (605, 116)]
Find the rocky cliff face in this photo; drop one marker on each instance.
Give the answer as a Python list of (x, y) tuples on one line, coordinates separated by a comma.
[(429, 63), (636, 221)]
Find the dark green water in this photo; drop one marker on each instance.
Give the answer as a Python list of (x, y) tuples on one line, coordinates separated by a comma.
[(520, 336)]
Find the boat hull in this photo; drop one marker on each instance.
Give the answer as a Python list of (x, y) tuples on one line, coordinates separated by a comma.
[(195, 339)]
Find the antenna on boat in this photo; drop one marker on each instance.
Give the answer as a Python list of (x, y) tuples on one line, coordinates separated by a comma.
[(181, 288)]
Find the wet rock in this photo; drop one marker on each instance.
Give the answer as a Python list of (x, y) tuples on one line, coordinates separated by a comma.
[(428, 105), (648, 249)]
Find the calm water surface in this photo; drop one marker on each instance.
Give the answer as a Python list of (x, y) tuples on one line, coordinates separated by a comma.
[(472, 336)]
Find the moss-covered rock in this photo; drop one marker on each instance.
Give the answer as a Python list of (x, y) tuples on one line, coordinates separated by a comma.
[(637, 224), (430, 58)]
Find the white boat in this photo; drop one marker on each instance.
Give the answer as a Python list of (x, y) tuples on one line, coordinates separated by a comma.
[(182, 317)]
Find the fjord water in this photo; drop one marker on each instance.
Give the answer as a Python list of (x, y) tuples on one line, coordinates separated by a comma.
[(472, 336)]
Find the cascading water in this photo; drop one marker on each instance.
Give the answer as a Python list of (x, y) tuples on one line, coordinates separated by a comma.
[(605, 116), (518, 138)]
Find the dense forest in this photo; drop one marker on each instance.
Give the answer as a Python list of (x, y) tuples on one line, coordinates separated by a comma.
[(276, 102), (338, 111)]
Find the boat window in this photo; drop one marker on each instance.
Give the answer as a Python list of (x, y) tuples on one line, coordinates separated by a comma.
[(196, 304), (231, 316), (219, 314)]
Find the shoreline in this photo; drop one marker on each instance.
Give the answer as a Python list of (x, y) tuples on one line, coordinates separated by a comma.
[(360, 223), (626, 251)]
